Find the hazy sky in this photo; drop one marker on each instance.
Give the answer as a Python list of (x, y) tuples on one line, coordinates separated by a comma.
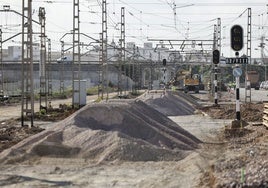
[(145, 19)]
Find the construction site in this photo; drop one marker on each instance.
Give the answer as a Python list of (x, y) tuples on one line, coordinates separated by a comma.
[(156, 140), (91, 107)]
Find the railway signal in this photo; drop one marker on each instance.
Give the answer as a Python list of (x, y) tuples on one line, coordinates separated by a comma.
[(216, 56), (237, 38), (164, 62), (237, 43)]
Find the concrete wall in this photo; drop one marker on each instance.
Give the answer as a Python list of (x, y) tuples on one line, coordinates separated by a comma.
[(90, 73)]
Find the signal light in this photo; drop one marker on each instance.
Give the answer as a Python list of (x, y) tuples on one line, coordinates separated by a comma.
[(164, 62), (216, 56), (237, 41)]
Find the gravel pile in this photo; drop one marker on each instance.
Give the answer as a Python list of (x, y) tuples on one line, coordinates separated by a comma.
[(171, 105), (107, 132)]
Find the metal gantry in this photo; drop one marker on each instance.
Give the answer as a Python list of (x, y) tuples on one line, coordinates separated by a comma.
[(76, 77), (42, 64), (182, 43), (27, 90)]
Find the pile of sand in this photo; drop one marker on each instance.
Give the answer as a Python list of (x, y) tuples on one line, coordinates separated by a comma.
[(131, 131)]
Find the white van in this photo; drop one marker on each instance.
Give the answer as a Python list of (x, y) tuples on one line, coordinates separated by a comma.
[(65, 59)]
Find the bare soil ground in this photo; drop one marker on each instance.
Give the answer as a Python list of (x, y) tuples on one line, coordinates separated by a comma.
[(243, 157), (250, 112), (240, 161)]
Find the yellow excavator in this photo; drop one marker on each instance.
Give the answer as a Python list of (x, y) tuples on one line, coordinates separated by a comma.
[(192, 83), (186, 81)]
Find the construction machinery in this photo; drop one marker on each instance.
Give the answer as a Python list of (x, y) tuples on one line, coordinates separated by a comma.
[(186, 81), (253, 78), (191, 83)]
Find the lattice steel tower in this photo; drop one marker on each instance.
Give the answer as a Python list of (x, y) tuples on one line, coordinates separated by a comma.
[(1, 64), (249, 36), (100, 85), (27, 90), (219, 34), (104, 50), (62, 69), (248, 89), (42, 64), (76, 55), (122, 43), (49, 75)]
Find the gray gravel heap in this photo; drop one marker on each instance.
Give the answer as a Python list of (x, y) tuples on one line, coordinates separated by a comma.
[(131, 131), (171, 105)]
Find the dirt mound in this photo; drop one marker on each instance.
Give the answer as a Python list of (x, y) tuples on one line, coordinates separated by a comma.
[(169, 105), (106, 132), (249, 112)]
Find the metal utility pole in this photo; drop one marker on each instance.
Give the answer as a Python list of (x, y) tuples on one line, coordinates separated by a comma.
[(42, 64), (138, 71), (249, 36), (62, 69), (122, 52), (150, 87), (219, 34), (262, 45), (247, 82), (100, 85), (76, 55), (215, 43), (48, 71), (104, 41), (27, 91), (2, 65), (215, 47), (123, 42), (217, 69), (132, 67)]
